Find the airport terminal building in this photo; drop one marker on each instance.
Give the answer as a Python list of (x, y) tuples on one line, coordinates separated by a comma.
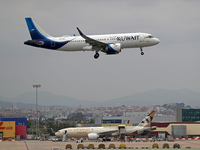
[(187, 115), (176, 129)]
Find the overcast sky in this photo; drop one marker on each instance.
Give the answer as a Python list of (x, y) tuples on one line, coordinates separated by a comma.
[(172, 64)]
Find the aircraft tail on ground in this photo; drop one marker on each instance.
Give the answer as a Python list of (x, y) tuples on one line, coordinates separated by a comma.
[(146, 122)]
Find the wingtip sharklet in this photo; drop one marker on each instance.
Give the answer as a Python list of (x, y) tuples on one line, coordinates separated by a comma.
[(79, 31)]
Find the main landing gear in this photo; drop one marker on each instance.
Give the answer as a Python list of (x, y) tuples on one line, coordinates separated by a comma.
[(142, 53), (96, 55)]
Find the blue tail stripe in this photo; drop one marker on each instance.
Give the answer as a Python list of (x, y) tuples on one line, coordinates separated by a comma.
[(35, 34)]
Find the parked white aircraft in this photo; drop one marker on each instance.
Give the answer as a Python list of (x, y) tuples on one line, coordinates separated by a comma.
[(108, 43), (93, 133)]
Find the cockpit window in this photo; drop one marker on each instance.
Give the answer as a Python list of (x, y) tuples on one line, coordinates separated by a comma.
[(150, 36)]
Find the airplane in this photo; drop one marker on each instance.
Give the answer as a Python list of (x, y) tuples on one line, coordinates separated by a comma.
[(108, 43), (92, 133)]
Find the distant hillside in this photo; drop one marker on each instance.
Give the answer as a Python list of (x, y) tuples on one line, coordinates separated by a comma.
[(4, 102), (159, 97), (148, 98), (47, 98)]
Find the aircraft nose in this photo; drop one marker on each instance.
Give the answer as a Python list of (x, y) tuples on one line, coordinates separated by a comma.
[(56, 133), (157, 41)]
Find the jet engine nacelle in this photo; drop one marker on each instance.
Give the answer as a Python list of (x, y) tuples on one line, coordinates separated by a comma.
[(92, 136), (153, 128), (113, 48), (137, 132)]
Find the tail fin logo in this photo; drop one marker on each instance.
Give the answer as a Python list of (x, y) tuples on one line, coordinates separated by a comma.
[(40, 38), (146, 122)]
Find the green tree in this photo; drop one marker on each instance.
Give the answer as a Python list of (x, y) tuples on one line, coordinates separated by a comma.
[(91, 121), (77, 117), (28, 123)]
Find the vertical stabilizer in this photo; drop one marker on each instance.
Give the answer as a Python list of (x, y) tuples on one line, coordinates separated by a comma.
[(35, 30), (146, 122)]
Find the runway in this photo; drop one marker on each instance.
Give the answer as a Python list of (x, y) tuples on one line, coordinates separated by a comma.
[(49, 145)]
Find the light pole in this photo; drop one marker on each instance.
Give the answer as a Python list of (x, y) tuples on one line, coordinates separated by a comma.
[(36, 86)]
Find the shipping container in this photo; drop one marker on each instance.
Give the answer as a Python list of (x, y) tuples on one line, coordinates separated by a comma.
[(7, 128), (18, 121)]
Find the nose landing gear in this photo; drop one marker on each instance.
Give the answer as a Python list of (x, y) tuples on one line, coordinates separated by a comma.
[(142, 53)]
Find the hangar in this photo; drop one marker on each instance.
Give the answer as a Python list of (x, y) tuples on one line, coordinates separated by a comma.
[(13, 127), (7, 129)]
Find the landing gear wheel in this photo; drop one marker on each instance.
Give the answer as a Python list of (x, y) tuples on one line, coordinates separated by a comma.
[(96, 55), (142, 53)]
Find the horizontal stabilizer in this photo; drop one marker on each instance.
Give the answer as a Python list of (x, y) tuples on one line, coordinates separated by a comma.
[(153, 128), (36, 42)]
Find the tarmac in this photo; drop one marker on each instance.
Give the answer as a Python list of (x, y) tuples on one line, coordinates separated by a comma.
[(49, 145)]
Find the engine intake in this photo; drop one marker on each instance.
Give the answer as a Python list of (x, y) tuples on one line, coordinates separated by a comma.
[(92, 136), (113, 48)]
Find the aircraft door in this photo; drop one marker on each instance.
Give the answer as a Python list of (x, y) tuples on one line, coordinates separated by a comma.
[(141, 38), (65, 131), (53, 44)]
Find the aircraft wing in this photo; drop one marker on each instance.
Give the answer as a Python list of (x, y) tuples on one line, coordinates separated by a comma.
[(108, 132), (93, 42)]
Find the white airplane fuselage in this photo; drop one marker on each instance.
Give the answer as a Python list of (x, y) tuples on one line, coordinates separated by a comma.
[(81, 132), (93, 133), (107, 43), (127, 40)]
